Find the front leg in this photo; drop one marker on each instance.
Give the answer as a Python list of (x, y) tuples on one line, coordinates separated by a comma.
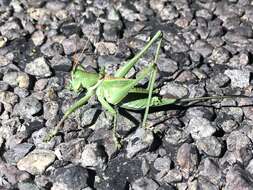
[(76, 105), (108, 107)]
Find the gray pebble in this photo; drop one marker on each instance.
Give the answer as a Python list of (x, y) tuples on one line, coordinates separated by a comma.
[(200, 127), (172, 176), (38, 38), (21, 92), (106, 136), (70, 151), (61, 63), (175, 136), (4, 61), (187, 158), (173, 89), (162, 163), (13, 155), (10, 175), (93, 156), (139, 142), (240, 146), (8, 97), (237, 178), (238, 78), (38, 67), (212, 171), (202, 48), (28, 106), (210, 146), (144, 183), (36, 161), (50, 110), (220, 55), (26, 185), (4, 86), (70, 178), (52, 49), (167, 65)]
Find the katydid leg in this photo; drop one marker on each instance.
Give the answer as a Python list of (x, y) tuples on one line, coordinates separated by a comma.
[(129, 64), (108, 107), (151, 83), (76, 105), (150, 88)]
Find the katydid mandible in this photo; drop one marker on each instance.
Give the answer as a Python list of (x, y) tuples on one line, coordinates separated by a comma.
[(114, 90)]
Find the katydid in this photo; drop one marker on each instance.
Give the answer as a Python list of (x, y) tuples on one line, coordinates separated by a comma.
[(114, 90)]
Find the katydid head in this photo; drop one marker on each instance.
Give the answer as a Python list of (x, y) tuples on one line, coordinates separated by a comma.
[(81, 79)]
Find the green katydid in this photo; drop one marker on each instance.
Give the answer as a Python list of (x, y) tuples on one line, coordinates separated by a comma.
[(114, 90)]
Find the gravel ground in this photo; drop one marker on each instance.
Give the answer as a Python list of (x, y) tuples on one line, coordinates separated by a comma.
[(206, 51)]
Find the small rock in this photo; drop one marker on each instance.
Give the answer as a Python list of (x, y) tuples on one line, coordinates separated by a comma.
[(169, 12), (172, 176), (36, 161), (244, 58), (38, 38), (220, 55), (70, 178), (52, 49), (8, 97), (139, 142), (175, 90), (210, 146), (21, 92), (187, 158), (4, 86), (61, 63), (162, 163), (240, 145), (166, 65), (200, 127), (10, 175), (26, 185), (4, 61), (105, 136), (112, 29), (55, 5), (204, 14), (175, 136), (70, 28), (71, 46), (27, 107), (3, 41), (93, 156), (38, 67), (249, 167), (40, 84), (238, 78), (212, 171), (144, 183), (50, 109), (203, 48), (106, 48), (19, 79), (13, 155), (202, 183), (38, 137), (70, 151), (238, 178)]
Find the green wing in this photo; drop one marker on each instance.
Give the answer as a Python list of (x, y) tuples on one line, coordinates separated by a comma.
[(115, 90)]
